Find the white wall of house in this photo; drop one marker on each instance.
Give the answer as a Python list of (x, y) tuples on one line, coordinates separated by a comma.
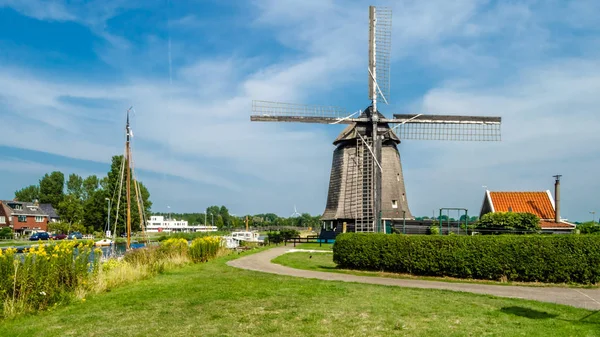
[(158, 223)]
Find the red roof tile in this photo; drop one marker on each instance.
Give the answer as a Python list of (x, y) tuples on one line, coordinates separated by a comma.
[(552, 224), (538, 203)]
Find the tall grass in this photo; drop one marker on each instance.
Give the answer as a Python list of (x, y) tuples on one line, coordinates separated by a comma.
[(205, 248), (146, 262), (190, 236), (45, 275)]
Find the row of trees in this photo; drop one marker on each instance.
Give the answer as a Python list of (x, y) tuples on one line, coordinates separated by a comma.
[(220, 217), (445, 218), (82, 202)]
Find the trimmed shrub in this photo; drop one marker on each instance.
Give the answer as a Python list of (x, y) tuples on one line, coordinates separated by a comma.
[(528, 258)]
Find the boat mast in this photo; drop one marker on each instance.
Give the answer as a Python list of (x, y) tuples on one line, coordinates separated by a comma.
[(127, 152)]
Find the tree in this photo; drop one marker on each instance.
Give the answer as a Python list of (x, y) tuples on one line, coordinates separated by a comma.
[(589, 228), (224, 213), (75, 186), (28, 194), (214, 210), (96, 211), (51, 188), (219, 222), (89, 186), (71, 209)]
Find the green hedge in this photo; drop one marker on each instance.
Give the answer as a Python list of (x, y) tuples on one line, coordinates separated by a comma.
[(554, 259)]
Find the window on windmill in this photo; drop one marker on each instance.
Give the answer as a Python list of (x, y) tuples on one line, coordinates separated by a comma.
[(398, 176), (403, 197), (394, 203)]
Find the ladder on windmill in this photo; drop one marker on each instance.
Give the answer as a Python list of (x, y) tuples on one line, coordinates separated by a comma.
[(365, 219)]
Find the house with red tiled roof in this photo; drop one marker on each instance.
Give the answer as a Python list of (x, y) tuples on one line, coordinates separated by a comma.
[(538, 203)]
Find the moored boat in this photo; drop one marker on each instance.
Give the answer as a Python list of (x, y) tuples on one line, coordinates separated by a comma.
[(104, 242)]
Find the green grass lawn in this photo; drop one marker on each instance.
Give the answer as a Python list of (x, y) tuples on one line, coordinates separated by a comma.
[(214, 299), (324, 262), (12, 243), (314, 246)]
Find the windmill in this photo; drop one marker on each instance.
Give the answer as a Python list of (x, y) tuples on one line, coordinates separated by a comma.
[(366, 184), (295, 214)]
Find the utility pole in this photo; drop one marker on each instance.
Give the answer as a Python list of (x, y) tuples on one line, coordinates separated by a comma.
[(593, 213)]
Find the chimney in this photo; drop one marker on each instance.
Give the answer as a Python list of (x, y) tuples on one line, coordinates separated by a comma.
[(557, 198)]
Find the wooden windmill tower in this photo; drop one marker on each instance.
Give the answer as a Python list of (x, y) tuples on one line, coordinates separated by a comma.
[(366, 183)]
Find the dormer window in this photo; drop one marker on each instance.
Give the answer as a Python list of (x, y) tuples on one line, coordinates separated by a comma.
[(16, 206)]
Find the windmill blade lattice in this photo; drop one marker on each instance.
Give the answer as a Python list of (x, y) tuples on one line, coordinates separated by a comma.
[(279, 109), (380, 65), (447, 127)]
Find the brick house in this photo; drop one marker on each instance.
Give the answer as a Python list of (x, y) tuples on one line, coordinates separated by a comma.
[(51, 212), (538, 203), (23, 216)]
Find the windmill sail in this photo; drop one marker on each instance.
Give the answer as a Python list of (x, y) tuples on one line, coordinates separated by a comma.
[(380, 49), (266, 111), (447, 127)]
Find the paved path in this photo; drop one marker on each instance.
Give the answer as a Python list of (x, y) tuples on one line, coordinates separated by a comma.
[(582, 298)]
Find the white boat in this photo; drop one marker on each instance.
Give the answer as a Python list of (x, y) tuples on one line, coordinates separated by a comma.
[(104, 242), (230, 242), (246, 236)]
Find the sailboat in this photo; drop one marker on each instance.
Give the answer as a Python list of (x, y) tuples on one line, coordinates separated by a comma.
[(128, 167)]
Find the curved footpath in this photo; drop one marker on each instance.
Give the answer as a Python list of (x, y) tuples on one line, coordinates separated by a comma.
[(577, 297)]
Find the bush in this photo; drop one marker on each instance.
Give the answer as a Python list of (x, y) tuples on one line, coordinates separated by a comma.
[(508, 222), (274, 237), (528, 258), (589, 228), (206, 248), (287, 234), (6, 233), (434, 230)]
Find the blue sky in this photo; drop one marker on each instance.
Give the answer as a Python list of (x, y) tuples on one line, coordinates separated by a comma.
[(70, 69)]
